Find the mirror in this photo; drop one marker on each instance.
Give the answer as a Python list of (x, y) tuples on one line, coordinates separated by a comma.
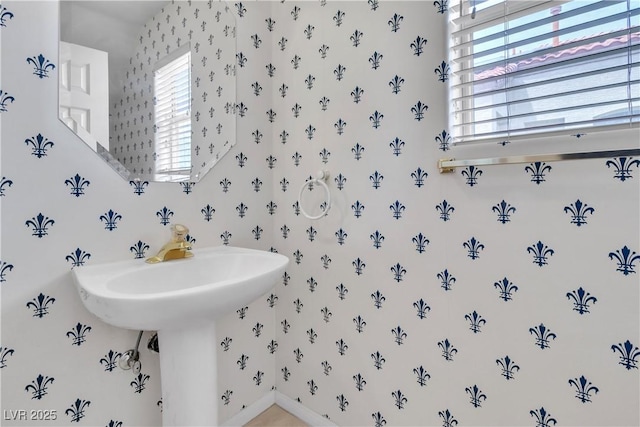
[(150, 85)]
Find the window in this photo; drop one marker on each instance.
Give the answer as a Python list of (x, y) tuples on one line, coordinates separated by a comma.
[(172, 116), (523, 68)]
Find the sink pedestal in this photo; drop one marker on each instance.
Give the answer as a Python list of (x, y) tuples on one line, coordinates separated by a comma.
[(189, 376)]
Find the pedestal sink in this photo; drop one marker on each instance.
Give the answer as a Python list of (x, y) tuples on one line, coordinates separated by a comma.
[(181, 299)]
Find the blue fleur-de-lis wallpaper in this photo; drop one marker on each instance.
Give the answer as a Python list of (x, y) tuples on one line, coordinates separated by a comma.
[(420, 299)]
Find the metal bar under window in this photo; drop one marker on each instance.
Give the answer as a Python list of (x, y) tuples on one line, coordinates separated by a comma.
[(449, 165)]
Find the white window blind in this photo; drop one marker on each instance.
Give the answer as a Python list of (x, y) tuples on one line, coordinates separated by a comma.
[(521, 68), (172, 115)]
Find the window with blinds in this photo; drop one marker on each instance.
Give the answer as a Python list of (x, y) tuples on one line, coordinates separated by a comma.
[(524, 68), (172, 116)]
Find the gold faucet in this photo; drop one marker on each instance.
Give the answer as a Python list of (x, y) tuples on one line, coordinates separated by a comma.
[(177, 248)]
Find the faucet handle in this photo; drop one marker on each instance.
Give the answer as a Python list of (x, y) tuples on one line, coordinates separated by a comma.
[(179, 232)]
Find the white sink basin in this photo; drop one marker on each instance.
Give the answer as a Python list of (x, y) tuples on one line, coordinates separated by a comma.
[(181, 299), (214, 282)]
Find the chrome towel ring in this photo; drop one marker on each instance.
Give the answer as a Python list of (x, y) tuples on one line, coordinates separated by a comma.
[(320, 179)]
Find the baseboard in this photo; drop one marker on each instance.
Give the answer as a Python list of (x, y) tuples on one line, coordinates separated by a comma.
[(251, 411), (294, 407), (299, 410)]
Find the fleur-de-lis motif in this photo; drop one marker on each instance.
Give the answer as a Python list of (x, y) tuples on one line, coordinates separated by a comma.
[(419, 176), (445, 210), (325, 261), (39, 144), (376, 119), (378, 299), (442, 71), (623, 167), (114, 423), (543, 418), (378, 419), (377, 238), (397, 208), (396, 146), (537, 171), (508, 367), (399, 335), (312, 335), (446, 280), (394, 22), (581, 300), (584, 388), (359, 266), (312, 284), (422, 375), (138, 186), (340, 125), (471, 174), (110, 360), (504, 211), (271, 116), (4, 182), (374, 60), (187, 187), (629, 354), (398, 272), (5, 99), (111, 219), (4, 268), (447, 419), (208, 212), (40, 305), (418, 110), (77, 184), (226, 397), (4, 15), (578, 211), (420, 241), (240, 9), (400, 399), (226, 237), (475, 321), (298, 305), (540, 252), (4, 353), (139, 382), (360, 323), (543, 335), (376, 179), (308, 81), (242, 361), (324, 102), (356, 94), (356, 37), (324, 155), (226, 343), (42, 65), (242, 312), (422, 308), (40, 225), (506, 288), (626, 259), (341, 235), (473, 248), (357, 208), (443, 139), (476, 396), (342, 402), (76, 410), (308, 31), (297, 255), (78, 257), (342, 347), (448, 350), (242, 159), (378, 360), (418, 45), (310, 131), (78, 333), (39, 386), (342, 291)]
